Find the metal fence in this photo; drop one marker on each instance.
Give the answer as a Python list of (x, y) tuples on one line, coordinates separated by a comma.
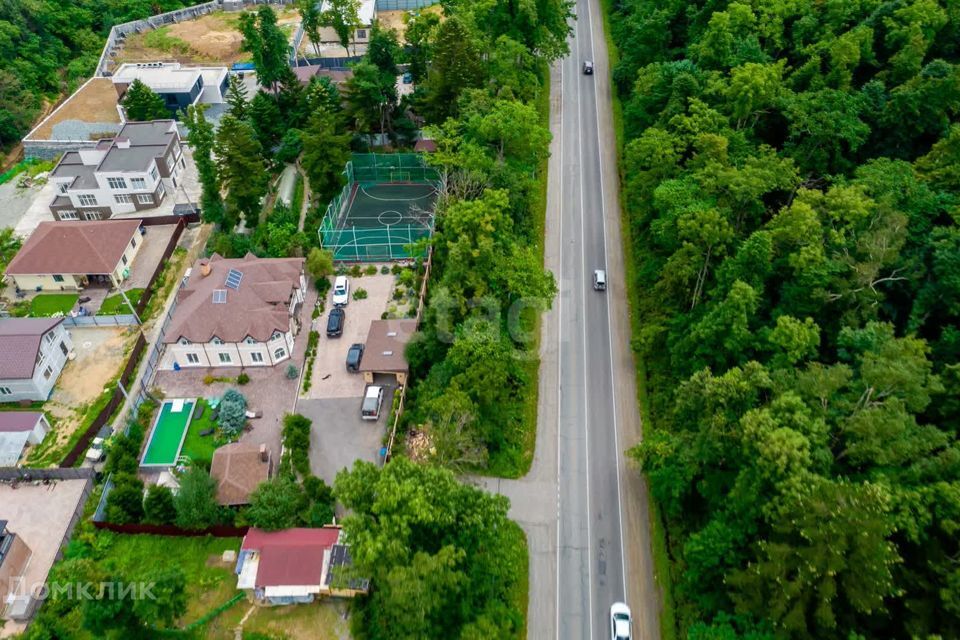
[(127, 320), (403, 5), (390, 167)]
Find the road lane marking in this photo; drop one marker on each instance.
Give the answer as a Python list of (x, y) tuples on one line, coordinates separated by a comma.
[(613, 392), (559, 354), (583, 327)]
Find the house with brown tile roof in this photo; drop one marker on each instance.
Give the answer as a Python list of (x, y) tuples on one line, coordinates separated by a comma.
[(68, 256), (34, 353), (238, 312), (238, 468), (384, 350)]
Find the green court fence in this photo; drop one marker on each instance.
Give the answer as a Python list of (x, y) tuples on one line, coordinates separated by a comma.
[(378, 244), (389, 167)]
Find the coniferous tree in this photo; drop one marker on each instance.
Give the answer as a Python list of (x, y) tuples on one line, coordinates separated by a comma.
[(243, 172), (141, 103)]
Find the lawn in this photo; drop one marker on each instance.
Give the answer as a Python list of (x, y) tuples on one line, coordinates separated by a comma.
[(50, 304), (114, 305), (210, 582), (195, 446), (322, 620)]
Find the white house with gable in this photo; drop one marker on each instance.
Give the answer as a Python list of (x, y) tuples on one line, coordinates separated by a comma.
[(242, 312)]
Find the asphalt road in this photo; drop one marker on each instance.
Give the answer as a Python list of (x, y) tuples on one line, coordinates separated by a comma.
[(583, 506)]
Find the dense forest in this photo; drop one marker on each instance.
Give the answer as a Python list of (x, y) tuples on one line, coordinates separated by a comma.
[(792, 187), (48, 46)]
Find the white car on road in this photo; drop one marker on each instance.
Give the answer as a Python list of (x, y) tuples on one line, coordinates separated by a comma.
[(341, 291), (620, 621)]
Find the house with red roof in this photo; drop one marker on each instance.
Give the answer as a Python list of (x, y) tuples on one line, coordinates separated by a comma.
[(34, 352), (296, 566), (236, 312), (68, 256)]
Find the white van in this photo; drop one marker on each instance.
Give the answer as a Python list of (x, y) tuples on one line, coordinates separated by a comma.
[(372, 400), (600, 280), (341, 291)]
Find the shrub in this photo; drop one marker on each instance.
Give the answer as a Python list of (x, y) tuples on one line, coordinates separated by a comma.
[(384, 270), (196, 501), (243, 378), (315, 314), (292, 372), (398, 293), (232, 416), (371, 270), (359, 293), (355, 271), (296, 441), (276, 504), (158, 506), (125, 501), (208, 379), (384, 315), (319, 263), (396, 269)]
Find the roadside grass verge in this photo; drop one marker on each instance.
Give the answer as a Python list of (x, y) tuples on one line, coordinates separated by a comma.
[(519, 594), (114, 305), (661, 556)]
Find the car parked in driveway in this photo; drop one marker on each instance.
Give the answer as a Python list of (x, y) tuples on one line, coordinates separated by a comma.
[(341, 291), (372, 401), (354, 356), (335, 322)]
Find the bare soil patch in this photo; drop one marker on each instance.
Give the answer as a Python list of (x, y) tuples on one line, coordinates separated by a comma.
[(96, 101), (213, 38)]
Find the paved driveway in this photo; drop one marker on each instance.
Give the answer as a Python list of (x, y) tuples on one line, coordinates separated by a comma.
[(154, 242), (330, 377), (339, 437)]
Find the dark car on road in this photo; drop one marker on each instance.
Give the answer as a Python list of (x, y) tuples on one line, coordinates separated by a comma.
[(335, 322), (354, 356), (588, 67)]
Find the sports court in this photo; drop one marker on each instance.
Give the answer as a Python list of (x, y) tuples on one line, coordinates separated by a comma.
[(169, 432), (387, 204)]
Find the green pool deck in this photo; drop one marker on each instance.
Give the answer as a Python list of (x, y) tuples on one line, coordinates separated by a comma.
[(169, 432)]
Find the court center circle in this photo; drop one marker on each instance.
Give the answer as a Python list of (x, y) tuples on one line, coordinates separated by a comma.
[(389, 218)]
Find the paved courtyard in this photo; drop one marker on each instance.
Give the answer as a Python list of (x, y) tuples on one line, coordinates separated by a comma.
[(154, 242), (339, 436), (40, 514)]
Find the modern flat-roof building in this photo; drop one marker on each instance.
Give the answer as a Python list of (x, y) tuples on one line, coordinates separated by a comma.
[(132, 172), (69, 256), (179, 86)]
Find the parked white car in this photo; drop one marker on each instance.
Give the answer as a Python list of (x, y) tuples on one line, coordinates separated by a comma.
[(95, 453), (372, 400), (341, 291)]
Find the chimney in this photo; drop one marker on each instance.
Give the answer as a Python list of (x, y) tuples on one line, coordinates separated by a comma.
[(263, 453), (204, 268)]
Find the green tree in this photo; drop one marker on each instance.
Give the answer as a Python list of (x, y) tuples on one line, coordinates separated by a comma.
[(325, 153), (125, 501), (371, 98), (233, 407), (266, 42), (141, 103), (196, 500), (420, 32), (311, 18), (158, 507), (455, 67), (320, 263), (343, 16), (266, 119), (276, 504), (201, 138), (237, 96), (242, 170)]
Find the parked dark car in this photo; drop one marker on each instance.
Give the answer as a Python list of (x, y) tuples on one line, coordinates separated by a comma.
[(335, 322), (354, 356)]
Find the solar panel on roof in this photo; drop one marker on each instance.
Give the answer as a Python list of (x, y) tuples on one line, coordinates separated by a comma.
[(233, 279), (219, 296)]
